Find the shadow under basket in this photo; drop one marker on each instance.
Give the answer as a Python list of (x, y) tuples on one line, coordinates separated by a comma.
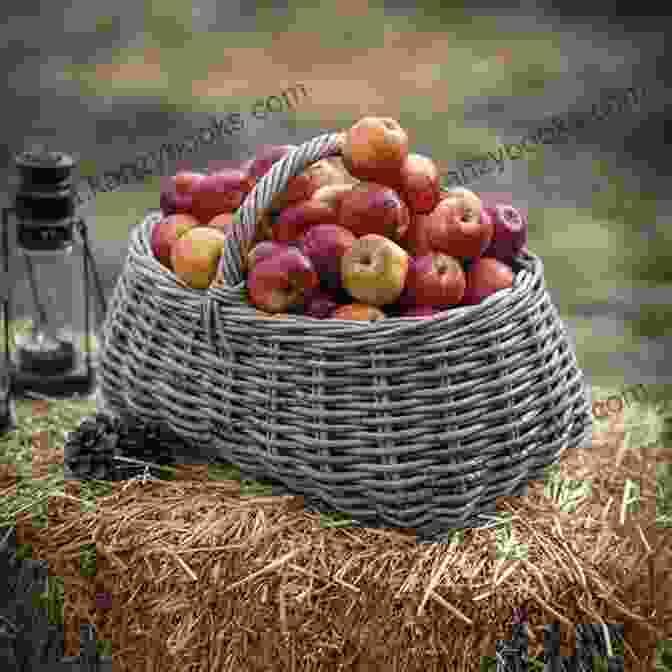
[(411, 423)]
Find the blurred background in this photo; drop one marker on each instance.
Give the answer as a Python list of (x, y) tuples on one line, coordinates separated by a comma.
[(107, 88)]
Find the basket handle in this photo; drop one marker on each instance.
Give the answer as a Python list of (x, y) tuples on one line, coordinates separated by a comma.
[(244, 226)]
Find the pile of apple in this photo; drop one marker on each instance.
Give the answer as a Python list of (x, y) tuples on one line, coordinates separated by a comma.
[(362, 237)]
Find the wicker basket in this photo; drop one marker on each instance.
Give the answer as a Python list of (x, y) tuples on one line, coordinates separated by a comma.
[(417, 423)]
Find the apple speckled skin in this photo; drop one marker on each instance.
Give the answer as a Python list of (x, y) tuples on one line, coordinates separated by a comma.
[(374, 270)]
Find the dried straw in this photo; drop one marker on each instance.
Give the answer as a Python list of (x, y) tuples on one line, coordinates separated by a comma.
[(202, 578)]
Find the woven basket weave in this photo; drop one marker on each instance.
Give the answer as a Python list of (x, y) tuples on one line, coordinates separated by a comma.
[(417, 423)]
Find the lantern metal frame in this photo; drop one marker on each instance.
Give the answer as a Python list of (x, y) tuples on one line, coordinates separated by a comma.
[(8, 420)]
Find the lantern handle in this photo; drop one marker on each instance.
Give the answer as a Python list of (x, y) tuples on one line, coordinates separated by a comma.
[(80, 223), (8, 421), (6, 295)]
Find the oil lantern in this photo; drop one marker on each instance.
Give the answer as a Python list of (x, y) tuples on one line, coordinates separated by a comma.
[(45, 357)]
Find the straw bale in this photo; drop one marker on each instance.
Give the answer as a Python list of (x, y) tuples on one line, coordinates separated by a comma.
[(203, 578)]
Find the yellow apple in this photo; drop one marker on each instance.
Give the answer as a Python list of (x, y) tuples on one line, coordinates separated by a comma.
[(374, 269), (195, 256)]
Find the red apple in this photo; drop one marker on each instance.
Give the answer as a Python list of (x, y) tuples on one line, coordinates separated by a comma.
[(459, 226), (257, 251), (358, 311), (510, 233), (337, 162), (419, 184), (195, 256), (246, 166), (218, 165), (243, 165), (325, 245), (280, 281), (186, 181), (490, 199), (421, 311), (263, 230), (265, 157), (374, 149), (220, 192), (172, 203), (262, 250), (274, 316), (434, 279), (301, 187), (374, 270), (319, 303), (470, 199), (374, 208), (177, 192), (485, 277), (222, 222), (295, 220), (416, 240), (166, 232), (332, 194)]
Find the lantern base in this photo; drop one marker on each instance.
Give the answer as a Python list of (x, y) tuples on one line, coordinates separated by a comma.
[(79, 381), (58, 359)]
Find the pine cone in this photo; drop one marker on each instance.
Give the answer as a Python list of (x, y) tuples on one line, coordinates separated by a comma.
[(89, 451), (152, 441)]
